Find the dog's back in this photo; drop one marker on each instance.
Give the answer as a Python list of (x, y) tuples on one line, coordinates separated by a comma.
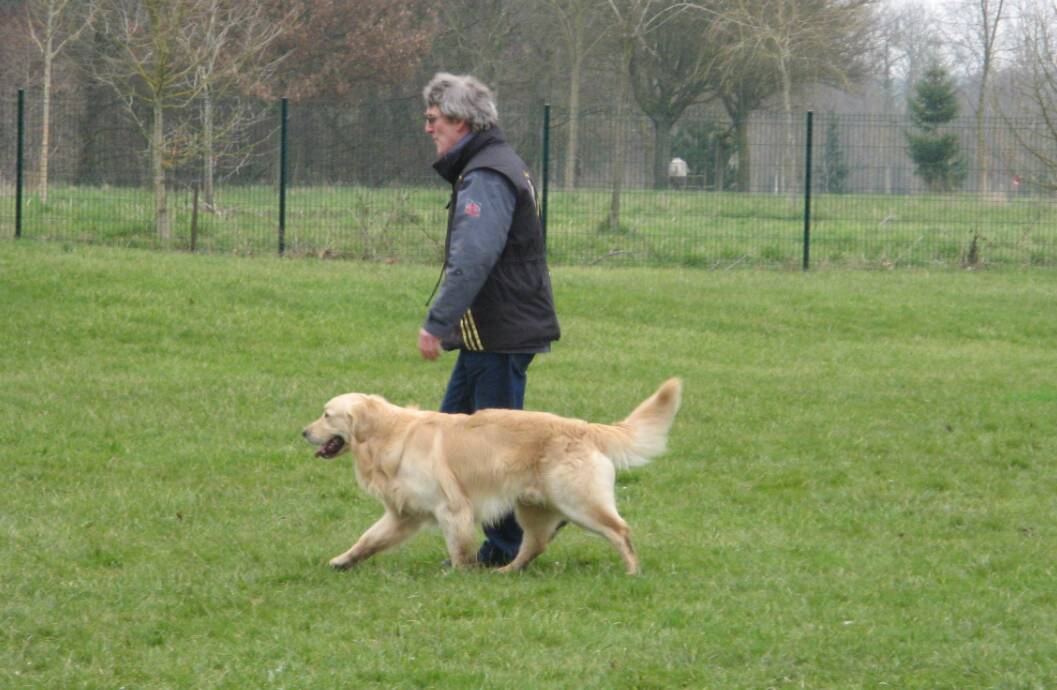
[(633, 442)]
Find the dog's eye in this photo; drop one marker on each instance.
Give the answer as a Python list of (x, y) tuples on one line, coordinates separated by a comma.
[(326, 415)]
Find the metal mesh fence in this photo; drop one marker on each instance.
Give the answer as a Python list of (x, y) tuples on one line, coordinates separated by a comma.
[(8, 146), (1001, 213), (360, 185)]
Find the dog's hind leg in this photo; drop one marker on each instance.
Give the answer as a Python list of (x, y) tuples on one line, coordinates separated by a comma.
[(589, 502), (389, 531), (539, 525), (611, 526), (602, 520)]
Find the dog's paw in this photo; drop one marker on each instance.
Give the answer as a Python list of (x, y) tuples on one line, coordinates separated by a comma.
[(340, 563)]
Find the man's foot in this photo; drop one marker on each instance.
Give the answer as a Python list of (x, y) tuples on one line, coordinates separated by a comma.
[(493, 563), (488, 557), (491, 556)]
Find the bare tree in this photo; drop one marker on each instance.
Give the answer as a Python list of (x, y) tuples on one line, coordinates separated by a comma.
[(341, 47), (669, 57), (481, 36), (916, 37), (53, 24), (583, 28), (742, 88), (620, 146), (627, 24), (907, 40), (886, 57), (235, 38), (151, 64), (798, 41), (975, 27), (1033, 95), (632, 20)]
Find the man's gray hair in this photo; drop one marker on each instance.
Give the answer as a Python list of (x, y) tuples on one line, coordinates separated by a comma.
[(462, 97)]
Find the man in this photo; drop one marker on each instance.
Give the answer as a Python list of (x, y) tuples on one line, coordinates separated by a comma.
[(495, 304), (677, 172)]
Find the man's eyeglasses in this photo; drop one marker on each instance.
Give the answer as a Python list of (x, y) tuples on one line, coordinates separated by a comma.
[(432, 119)]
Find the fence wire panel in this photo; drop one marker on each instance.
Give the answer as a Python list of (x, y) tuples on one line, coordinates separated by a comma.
[(615, 202), (8, 150), (103, 185), (360, 185), (880, 212)]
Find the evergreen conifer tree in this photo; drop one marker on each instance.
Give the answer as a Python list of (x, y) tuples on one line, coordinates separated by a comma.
[(937, 156), (835, 170)]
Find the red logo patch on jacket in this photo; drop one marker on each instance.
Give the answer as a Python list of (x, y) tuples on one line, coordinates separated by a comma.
[(473, 209)]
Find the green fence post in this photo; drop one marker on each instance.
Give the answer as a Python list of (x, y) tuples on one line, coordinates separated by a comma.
[(20, 161), (546, 167), (283, 109), (807, 195)]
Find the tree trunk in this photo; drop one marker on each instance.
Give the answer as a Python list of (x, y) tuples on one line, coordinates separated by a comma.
[(572, 145), (157, 147), (619, 149), (741, 134), (788, 157), (209, 165), (719, 165), (45, 124), (981, 138), (662, 150)]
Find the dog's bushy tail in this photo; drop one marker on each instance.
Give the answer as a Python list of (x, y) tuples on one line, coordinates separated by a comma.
[(644, 434)]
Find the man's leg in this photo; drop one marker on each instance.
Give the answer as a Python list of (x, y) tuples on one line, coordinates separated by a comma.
[(458, 398), (499, 382)]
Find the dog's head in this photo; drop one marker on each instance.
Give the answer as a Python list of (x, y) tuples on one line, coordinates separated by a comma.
[(345, 421)]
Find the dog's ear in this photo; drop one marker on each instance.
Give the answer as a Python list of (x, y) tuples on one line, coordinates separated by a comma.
[(361, 418)]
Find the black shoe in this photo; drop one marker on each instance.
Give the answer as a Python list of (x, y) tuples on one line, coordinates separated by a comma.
[(491, 557), (446, 563)]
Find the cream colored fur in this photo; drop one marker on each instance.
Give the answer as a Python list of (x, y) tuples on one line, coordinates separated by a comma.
[(457, 470)]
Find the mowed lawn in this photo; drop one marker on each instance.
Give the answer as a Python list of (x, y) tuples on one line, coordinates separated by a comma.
[(860, 491)]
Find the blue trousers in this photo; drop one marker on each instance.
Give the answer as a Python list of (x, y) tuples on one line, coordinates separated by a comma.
[(482, 380)]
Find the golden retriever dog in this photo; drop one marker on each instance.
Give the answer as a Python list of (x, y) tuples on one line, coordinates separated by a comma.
[(457, 470)]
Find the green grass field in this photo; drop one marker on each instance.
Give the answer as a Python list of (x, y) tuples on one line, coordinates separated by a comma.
[(687, 229), (860, 489)]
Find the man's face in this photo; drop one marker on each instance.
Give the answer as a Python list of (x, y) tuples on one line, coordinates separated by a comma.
[(444, 131)]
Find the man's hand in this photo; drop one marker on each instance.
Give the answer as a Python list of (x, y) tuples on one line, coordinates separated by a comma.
[(428, 345)]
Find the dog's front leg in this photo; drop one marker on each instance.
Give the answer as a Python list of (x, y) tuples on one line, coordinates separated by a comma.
[(389, 531), (456, 522)]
